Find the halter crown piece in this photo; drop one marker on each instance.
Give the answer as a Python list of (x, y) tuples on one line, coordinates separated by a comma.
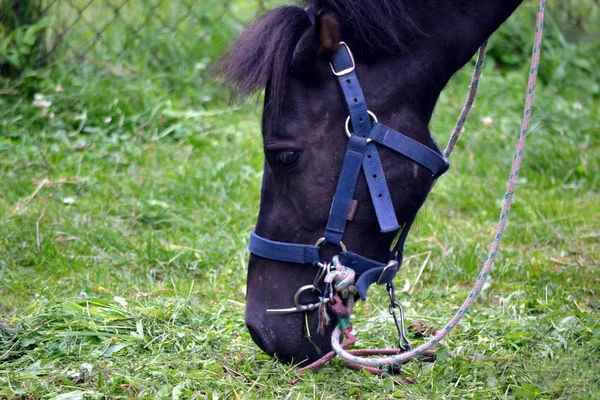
[(361, 153)]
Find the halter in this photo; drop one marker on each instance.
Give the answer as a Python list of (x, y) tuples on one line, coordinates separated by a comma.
[(361, 153)]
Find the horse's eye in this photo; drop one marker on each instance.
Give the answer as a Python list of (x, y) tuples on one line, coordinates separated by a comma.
[(287, 158)]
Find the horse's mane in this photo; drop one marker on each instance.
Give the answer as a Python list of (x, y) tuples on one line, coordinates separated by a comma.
[(261, 55), (263, 52)]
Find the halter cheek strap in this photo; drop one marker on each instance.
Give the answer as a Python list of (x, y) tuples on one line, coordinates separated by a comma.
[(361, 153)]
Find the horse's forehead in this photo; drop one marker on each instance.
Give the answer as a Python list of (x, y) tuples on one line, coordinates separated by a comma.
[(305, 106), (283, 126)]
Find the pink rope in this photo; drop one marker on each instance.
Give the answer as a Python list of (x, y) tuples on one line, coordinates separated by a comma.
[(487, 265)]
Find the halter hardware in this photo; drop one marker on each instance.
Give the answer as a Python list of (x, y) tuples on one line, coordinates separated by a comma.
[(391, 265), (298, 307), (349, 134), (323, 240), (348, 70), (403, 342)]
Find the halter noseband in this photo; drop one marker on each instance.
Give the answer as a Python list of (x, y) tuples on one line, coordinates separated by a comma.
[(361, 152)]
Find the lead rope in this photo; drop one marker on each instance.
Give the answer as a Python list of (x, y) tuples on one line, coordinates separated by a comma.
[(473, 88), (356, 359), (348, 357)]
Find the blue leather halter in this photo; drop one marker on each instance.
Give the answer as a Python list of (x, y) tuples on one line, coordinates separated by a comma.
[(361, 153)]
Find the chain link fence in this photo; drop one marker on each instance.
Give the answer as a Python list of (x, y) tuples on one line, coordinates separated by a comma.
[(159, 35), (144, 33)]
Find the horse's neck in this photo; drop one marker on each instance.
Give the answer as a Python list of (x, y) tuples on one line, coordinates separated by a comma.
[(458, 28), (453, 31)]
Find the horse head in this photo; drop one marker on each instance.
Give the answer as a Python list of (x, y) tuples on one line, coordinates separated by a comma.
[(404, 53)]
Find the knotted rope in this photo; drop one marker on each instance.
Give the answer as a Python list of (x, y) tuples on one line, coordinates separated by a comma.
[(341, 279)]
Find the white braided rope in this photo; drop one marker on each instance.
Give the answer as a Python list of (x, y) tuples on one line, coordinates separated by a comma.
[(487, 265)]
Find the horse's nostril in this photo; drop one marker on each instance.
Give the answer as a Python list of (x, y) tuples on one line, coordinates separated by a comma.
[(260, 340), (255, 337)]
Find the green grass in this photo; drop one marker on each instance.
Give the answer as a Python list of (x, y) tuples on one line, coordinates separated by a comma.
[(124, 221)]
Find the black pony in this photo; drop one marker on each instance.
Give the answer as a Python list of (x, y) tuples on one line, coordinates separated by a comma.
[(405, 51)]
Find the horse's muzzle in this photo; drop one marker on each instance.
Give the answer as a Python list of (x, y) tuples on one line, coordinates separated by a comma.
[(291, 337), (285, 337)]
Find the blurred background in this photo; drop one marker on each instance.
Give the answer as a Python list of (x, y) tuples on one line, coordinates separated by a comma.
[(152, 53)]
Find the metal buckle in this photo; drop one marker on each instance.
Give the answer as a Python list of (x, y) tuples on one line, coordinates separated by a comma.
[(298, 307), (349, 134), (347, 70), (391, 264), (403, 342)]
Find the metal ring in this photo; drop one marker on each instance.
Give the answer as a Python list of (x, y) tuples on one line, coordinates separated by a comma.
[(302, 290), (320, 242), (347, 126)]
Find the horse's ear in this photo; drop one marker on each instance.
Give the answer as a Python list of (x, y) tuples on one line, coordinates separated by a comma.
[(318, 43), (330, 34)]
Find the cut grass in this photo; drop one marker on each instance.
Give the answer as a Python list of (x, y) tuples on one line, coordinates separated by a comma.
[(124, 221)]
